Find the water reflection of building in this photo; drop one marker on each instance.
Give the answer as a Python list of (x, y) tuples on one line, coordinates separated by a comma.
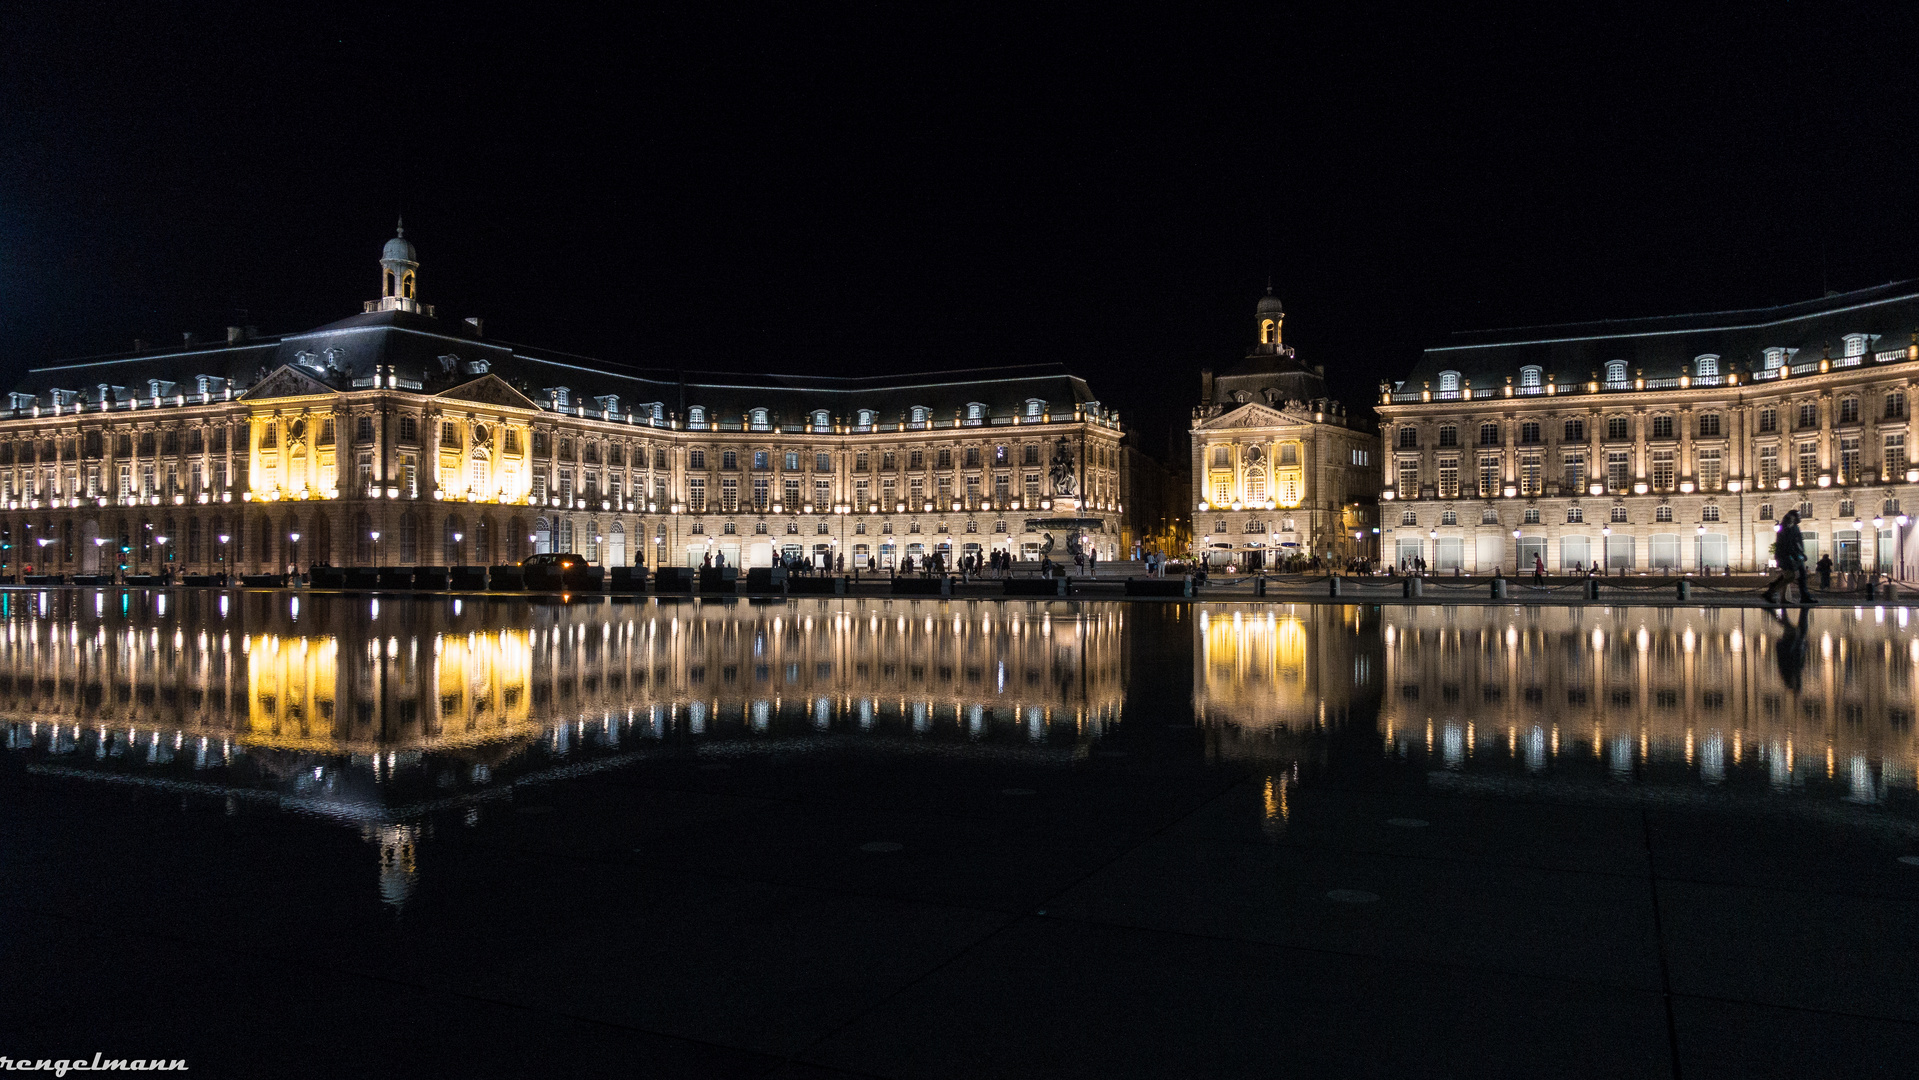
[(1266, 678), (1703, 690), (378, 712)]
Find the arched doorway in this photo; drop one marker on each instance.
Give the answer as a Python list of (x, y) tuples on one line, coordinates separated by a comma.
[(89, 551), (452, 550), (516, 538), (362, 539), (321, 549), (616, 545)]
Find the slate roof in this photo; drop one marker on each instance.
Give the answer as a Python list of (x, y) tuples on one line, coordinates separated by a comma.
[(1666, 346), (429, 356)]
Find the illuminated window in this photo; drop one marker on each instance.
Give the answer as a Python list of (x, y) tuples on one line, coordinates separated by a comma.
[(1449, 382), (1709, 512), (1706, 366), (696, 415), (1575, 515), (1616, 373), (1530, 377), (1409, 517)]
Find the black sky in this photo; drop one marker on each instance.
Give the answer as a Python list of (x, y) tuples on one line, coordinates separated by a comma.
[(855, 189)]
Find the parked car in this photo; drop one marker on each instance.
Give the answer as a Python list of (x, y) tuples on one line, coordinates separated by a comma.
[(560, 571)]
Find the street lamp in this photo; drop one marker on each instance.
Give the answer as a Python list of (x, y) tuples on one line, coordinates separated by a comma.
[(1516, 570), (459, 553), (375, 535), (223, 548), (295, 561)]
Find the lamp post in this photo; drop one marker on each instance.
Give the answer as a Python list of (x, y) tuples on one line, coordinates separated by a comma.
[(1516, 570), (374, 534), (459, 552), (295, 538), (43, 542), (98, 543), (1433, 534), (223, 549), (1605, 553)]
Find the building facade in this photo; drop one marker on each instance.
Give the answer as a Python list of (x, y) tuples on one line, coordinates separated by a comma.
[(1660, 445), (1279, 467), (394, 438)]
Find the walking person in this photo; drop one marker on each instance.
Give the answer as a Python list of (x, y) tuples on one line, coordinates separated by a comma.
[(1539, 570), (1825, 573), (1789, 552)]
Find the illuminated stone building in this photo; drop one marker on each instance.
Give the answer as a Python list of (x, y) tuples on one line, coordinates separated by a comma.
[(1664, 444), (1279, 467), (393, 437)]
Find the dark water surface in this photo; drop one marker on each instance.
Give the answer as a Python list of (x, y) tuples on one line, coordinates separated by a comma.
[(1158, 752)]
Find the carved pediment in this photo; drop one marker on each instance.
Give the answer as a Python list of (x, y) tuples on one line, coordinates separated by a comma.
[(287, 381), (489, 390), (1257, 415)]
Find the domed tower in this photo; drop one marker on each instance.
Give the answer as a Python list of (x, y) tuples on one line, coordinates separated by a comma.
[(1270, 320), (399, 275)]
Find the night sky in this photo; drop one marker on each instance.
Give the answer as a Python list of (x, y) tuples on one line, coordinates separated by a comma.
[(876, 189)]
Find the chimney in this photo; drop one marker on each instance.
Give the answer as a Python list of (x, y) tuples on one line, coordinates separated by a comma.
[(235, 335), (478, 327), (186, 338)]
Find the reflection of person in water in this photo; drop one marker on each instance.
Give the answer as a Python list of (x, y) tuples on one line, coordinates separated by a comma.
[(1792, 649)]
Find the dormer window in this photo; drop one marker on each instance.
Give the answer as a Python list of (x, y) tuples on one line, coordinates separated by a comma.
[(1705, 366), (560, 396), (23, 401), (609, 404), (757, 419), (919, 415), (865, 419), (1775, 358), (822, 419), (696, 415), (1092, 409), (1856, 344), (1615, 373), (1529, 377), (656, 411), (1449, 382), (975, 413), (1035, 407)]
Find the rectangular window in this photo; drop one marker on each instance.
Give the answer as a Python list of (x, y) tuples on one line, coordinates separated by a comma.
[(196, 478), (1575, 431), (729, 494), (409, 429), (696, 494), (1849, 410), (449, 436), (887, 495), (1768, 420), (1708, 425), (146, 480), (1002, 489), (1618, 470), (790, 496), (916, 495), (1711, 476), (1618, 427), (1529, 432), (566, 487), (1531, 474), (1488, 476), (1408, 439), (1849, 460), (1662, 469), (822, 495), (1808, 464), (1662, 427), (1448, 436), (1768, 468), (1896, 405), (862, 495), (1449, 478), (729, 459), (1409, 478), (888, 461), (696, 459), (1808, 414), (1573, 478), (822, 463), (761, 486), (539, 483), (512, 441), (1894, 462), (793, 461), (860, 461)]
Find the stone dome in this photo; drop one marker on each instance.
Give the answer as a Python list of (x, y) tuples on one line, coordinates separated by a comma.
[(399, 249), (1269, 304)]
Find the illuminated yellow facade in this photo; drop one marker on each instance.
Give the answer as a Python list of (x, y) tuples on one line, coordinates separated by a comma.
[(1278, 471)]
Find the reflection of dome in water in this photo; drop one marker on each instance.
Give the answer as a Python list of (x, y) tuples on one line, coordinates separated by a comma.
[(399, 875)]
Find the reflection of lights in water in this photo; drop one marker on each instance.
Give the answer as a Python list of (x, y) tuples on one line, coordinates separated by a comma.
[(399, 872)]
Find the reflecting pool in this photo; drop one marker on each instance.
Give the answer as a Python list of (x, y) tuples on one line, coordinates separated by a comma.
[(396, 716)]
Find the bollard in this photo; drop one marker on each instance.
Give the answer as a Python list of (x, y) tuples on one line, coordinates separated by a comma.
[(1499, 587), (1685, 590), (1592, 588), (1415, 586), (1259, 587), (1335, 585)]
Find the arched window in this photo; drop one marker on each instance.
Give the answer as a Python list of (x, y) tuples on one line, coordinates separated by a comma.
[(1035, 406), (822, 419), (656, 411), (1709, 512), (919, 415), (696, 415), (976, 413), (865, 419), (1409, 517), (1255, 526), (1575, 515), (1255, 485), (1448, 517), (757, 419), (1529, 377), (1449, 382), (1615, 372), (1775, 357), (1705, 366), (1266, 331)]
